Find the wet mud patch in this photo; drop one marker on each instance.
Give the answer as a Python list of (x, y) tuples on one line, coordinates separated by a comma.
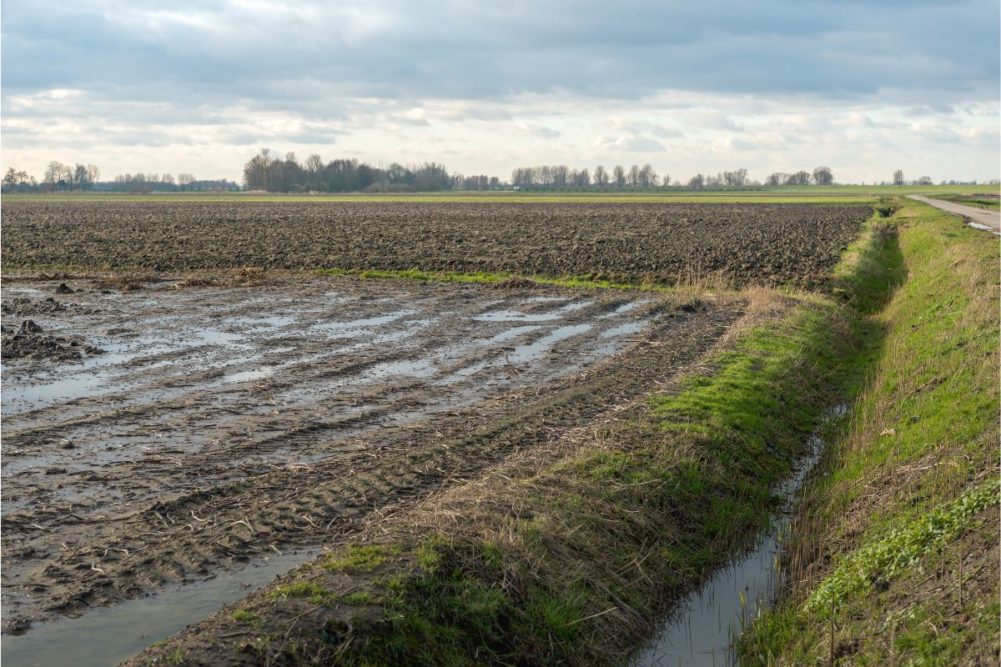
[(224, 424), (29, 341)]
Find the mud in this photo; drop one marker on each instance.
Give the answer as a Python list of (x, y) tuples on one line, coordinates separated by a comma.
[(225, 424), (738, 244), (29, 341)]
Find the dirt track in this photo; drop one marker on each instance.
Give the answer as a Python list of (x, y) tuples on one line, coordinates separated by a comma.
[(226, 423), (668, 243)]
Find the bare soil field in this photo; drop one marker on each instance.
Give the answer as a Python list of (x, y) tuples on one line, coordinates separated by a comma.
[(738, 244), (219, 425)]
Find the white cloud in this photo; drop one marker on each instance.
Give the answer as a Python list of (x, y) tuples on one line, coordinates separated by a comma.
[(200, 86)]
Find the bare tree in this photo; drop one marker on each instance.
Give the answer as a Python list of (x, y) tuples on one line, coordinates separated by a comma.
[(10, 178), (647, 177), (600, 176), (93, 173), (619, 176), (734, 179), (633, 178), (54, 173), (80, 176), (898, 177), (823, 176), (697, 182), (799, 178), (559, 175), (314, 164)]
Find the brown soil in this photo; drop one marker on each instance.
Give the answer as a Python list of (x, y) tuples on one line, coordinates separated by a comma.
[(737, 244), (227, 423), (29, 341)]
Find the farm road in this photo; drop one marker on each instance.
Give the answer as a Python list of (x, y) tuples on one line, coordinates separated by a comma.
[(990, 219)]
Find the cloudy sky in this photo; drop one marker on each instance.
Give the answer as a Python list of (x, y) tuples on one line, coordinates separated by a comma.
[(769, 85)]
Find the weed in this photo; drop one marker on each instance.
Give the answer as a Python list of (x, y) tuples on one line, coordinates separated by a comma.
[(360, 558)]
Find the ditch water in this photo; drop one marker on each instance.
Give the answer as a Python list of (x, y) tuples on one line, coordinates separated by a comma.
[(703, 627), (126, 628)]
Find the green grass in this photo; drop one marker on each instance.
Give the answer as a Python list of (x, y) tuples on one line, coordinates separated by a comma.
[(359, 558), (310, 590), (247, 617), (907, 506), (889, 558), (494, 278)]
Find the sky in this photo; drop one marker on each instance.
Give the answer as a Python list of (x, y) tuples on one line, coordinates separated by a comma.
[(483, 87)]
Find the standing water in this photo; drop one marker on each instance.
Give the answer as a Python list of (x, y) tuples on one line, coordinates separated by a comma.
[(702, 629)]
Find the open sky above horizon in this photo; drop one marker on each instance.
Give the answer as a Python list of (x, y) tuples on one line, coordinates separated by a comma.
[(862, 87)]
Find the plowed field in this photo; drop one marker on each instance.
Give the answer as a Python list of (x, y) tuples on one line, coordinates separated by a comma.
[(665, 243)]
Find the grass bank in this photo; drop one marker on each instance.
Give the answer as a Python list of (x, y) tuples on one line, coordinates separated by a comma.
[(570, 553), (894, 557), (515, 280)]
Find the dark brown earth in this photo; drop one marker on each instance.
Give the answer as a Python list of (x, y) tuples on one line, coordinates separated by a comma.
[(30, 340), (224, 424), (739, 244)]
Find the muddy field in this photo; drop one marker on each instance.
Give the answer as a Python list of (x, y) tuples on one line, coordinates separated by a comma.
[(218, 426), (669, 243)]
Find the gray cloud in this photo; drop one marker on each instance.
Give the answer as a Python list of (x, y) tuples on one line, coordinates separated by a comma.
[(223, 50), (483, 82), (628, 144), (543, 132)]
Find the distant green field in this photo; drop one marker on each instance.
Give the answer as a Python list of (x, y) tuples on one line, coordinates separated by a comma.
[(781, 195)]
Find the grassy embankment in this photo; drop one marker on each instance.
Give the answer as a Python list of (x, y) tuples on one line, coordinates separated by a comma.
[(894, 556), (570, 554)]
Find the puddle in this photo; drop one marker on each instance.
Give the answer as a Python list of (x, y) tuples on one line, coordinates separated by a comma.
[(129, 627), (524, 353), (626, 329), (702, 629), (512, 315), (622, 309), (983, 228), (353, 328)]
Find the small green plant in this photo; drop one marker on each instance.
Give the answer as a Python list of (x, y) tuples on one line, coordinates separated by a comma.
[(360, 558), (902, 549), (302, 588), (176, 657), (244, 616), (358, 598)]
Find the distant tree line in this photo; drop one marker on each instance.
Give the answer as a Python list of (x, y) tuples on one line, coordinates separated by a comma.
[(58, 176), (820, 176), (270, 172), (153, 182), (62, 177), (556, 177)]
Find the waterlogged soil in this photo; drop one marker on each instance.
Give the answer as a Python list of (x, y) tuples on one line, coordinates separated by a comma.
[(738, 244), (222, 425)]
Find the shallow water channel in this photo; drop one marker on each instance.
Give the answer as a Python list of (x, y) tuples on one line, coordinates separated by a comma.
[(109, 635), (702, 629)]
